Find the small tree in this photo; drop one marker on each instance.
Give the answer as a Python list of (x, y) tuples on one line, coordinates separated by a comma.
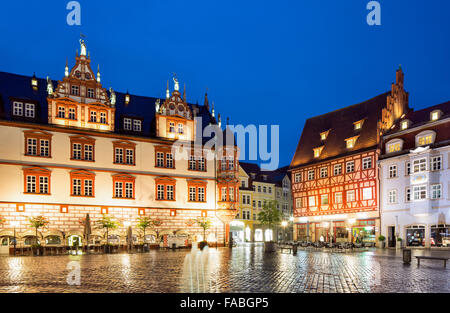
[(270, 216), (144, 222), (107, 223), (38, 222), (155, 224), (204, 223)]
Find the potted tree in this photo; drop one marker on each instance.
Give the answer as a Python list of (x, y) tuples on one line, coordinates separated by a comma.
[(269, 216), (107, 223), (38, 222), (381, 239), (144, 222), (205, 224), (399, 243), (155, 224)]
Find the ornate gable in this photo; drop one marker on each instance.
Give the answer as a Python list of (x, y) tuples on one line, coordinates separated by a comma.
[(174, 118), (79, 99)]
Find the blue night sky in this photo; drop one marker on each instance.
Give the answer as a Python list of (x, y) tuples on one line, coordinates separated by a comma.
[(276, 62)]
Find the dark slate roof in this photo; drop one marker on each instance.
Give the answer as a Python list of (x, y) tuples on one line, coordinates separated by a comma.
[(340, 124), (274, 177), (422, 117), (19, 86)]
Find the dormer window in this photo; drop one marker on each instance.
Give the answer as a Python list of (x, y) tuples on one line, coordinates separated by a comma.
[(127, 98), (127, 124), (435, 115), (318, 151), (404, 124), (137, 125), (265, 178), (324, 135), (394, 146), (34, 82), (358, 124), (425, 138), (253, 175), (24, 109), (350, 142)]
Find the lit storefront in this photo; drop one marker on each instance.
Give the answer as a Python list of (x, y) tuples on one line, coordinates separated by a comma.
[(440, 235), (363, 231)]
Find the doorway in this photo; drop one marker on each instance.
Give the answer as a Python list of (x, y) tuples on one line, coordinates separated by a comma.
[(391, 237)]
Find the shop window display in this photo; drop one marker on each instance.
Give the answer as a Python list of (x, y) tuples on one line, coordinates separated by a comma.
[(440, 235), (415, 236)]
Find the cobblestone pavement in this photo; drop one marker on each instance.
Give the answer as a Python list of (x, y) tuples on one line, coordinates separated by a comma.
[(243, 269)]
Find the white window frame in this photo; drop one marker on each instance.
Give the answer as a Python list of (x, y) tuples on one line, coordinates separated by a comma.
[(393, 171), (436, 191), (338, 197), (311, 175), (436, 163), (366, 162), (419, 165), (418, 192), (323, 172), (351, 198), (312, 201), (337, 169), (350, 167), (367, 193), (392, 196)]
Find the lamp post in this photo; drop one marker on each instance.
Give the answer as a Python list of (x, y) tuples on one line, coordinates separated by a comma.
[(291, 219), (284, 224), (15, 224)]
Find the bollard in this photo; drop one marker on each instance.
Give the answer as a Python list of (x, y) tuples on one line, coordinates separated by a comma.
[(294, 250), (407, 256)]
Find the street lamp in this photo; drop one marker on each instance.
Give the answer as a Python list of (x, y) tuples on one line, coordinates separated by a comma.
[(15, 224), (284, 224)]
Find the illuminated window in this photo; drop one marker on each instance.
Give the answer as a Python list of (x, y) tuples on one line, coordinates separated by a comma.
[(171, 127), (404, 125), (324, 199), (324, 135), (425, 140), (298, 203), (394, 147), (358, 124), (351, 196), (338, 197), (312, 201), (317, 151), (435, 115), (350, 142), (367, 193)]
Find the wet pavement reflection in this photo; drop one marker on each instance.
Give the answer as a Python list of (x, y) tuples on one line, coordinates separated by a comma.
[(245, 268)]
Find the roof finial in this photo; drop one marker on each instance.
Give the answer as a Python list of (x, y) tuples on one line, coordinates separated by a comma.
[(213, 113), (98, 73), (228, 121), (167, 90), (66, 72), (220, 120), (206, 104), (83, 48)]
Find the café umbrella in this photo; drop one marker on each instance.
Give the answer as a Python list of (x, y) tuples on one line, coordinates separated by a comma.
[(87, 230), (130, 237)]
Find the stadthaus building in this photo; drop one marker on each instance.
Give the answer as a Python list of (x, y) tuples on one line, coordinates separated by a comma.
[(71, 147)]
